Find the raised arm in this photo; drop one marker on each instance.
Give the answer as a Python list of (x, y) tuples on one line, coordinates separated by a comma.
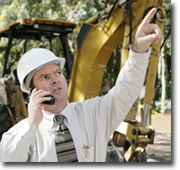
[(131, 78)]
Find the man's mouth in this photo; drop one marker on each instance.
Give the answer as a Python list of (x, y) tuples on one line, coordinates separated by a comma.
[(56, 89)]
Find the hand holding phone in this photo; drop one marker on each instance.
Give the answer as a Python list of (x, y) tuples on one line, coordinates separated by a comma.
[(49, 102), (35, 107)]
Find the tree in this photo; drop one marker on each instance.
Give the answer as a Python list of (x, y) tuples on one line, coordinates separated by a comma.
[(164, 68), (164, 78)]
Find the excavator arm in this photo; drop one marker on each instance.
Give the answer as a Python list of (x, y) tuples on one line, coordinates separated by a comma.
[(96, 40), (94, 49)]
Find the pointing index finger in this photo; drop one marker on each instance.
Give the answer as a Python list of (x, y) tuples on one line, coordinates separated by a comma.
[(149, 16)]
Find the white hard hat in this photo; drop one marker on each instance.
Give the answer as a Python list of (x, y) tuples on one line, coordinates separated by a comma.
[(32, 61)]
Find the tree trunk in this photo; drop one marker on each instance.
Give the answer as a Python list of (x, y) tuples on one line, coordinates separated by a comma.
[(164, 79)]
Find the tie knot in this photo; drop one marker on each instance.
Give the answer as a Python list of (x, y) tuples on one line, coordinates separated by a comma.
[(58, 119)]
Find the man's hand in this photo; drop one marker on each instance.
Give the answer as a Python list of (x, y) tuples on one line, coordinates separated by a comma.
[(35, 107), (146, 34)]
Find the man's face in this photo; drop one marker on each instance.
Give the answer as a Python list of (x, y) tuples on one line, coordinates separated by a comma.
[(50, 78)]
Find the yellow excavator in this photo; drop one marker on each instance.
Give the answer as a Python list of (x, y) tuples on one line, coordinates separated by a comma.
[(96, 40)]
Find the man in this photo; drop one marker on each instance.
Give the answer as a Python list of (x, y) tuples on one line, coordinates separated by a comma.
[(88, 124)]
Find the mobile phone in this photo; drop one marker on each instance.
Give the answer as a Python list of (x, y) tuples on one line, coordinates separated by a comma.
[(50, 102)]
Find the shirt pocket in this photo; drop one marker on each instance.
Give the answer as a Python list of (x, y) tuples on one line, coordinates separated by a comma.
[(87, 154)]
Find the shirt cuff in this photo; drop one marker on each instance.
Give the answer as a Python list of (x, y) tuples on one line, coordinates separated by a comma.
[(139, 58)]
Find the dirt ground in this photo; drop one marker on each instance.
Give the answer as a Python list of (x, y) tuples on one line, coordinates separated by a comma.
[(160, 150)]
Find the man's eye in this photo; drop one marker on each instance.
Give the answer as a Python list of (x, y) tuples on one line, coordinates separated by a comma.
[(59, 72), (44, 78)]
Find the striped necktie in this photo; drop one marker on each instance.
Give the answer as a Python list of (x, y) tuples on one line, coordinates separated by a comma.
[(64, 143)]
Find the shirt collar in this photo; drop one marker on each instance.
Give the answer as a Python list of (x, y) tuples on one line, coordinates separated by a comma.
[(67, 112), (48, 116)]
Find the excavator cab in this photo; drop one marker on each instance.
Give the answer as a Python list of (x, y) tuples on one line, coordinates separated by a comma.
[(38, 29)]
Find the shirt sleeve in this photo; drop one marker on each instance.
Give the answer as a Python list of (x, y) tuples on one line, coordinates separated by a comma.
[(15, 143), (114, 106)]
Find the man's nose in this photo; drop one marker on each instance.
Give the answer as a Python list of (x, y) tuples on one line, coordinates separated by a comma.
[(54, 79)]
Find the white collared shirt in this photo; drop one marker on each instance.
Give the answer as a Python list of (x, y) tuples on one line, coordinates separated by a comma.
[(90, 122)]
